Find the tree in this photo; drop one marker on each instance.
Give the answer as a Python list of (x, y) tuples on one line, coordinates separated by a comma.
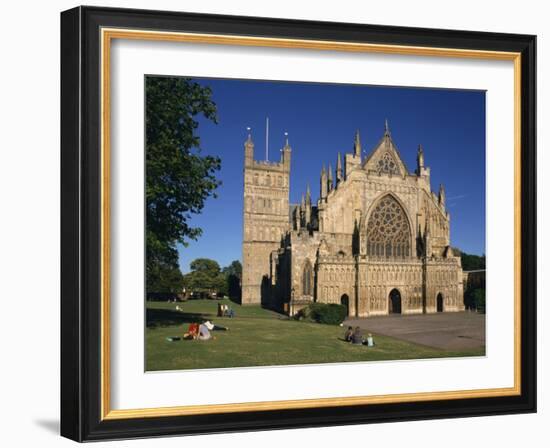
[(479, 299), (233, 274), (205, 277), (206, 266), (470, 262), (165, 279), (178, 178)]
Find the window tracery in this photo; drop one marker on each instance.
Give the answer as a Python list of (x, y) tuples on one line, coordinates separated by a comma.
[(386, 164), (388, 233)]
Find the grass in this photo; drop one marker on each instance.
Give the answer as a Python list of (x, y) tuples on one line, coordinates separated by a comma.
[(259, 337)]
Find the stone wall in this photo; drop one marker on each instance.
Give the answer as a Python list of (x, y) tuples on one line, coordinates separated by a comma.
[(444, 276), (383, 275)]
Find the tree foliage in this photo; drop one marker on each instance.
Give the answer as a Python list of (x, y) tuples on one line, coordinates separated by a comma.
[(479, 299), (475, 299), (233, 276), (206, 266), (323, 313), (470, 262), (178, 178), (207, 277), (165, 279)]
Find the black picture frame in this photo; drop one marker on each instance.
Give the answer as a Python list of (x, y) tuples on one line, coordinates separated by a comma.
[(81, 224)]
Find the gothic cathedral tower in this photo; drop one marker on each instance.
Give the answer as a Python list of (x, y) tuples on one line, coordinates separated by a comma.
[(265, 220)]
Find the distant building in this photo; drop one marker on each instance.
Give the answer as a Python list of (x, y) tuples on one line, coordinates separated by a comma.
[(377, 240)]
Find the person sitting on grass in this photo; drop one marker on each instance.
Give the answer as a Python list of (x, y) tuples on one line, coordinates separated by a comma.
[(213, 327), (229, 312), (204, 333), (348, 334), (192, 332), (370, 340), (357, 337)]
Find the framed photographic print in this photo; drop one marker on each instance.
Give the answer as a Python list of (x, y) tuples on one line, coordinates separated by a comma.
[(275, 224)]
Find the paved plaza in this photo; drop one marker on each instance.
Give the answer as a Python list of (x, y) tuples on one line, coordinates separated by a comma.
[(449, 331)]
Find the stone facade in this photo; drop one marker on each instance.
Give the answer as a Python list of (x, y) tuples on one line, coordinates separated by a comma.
[(376, 240), (265, 208)]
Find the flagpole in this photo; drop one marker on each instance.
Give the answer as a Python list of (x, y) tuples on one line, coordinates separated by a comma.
[(266, 138)]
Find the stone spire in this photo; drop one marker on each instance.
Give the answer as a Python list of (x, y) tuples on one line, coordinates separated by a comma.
[(297, 218), (419, 159), (386, 128), (248, 148), (357, 145), (308, 207), (339, 176), (441, 195), (286, 153), (302, 211), (330, 182), (324, 184)]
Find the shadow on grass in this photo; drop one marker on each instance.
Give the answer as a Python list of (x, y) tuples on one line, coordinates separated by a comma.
[(235, 300), (167, 318)]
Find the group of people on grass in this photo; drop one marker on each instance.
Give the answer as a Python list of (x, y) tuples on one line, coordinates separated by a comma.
[(355, 336), (225, 310), (202, 332)]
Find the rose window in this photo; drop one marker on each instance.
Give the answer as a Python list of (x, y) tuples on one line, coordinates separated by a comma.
[(388, 231)]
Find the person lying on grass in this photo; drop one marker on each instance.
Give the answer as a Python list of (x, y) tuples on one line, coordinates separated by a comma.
[(213, 327)]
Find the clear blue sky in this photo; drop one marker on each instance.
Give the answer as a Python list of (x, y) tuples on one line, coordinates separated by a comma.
[(321, 120)]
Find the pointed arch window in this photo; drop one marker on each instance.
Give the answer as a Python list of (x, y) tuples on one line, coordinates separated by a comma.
[(388, 231), (307, 279)]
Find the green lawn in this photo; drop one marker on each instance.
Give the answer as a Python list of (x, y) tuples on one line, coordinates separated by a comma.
[(260, 337)]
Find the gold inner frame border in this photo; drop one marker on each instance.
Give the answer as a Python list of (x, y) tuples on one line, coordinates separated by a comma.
[(107, 35)]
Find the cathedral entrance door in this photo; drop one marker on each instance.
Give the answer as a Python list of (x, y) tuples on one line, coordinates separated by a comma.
[(440, 303), (394, 302), (344, 300)]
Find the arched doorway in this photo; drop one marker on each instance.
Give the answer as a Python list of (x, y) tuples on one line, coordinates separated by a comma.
[(344, 300), (439, 303), (394, 299)]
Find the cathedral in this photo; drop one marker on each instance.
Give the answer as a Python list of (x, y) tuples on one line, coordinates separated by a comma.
[(377, 240)]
